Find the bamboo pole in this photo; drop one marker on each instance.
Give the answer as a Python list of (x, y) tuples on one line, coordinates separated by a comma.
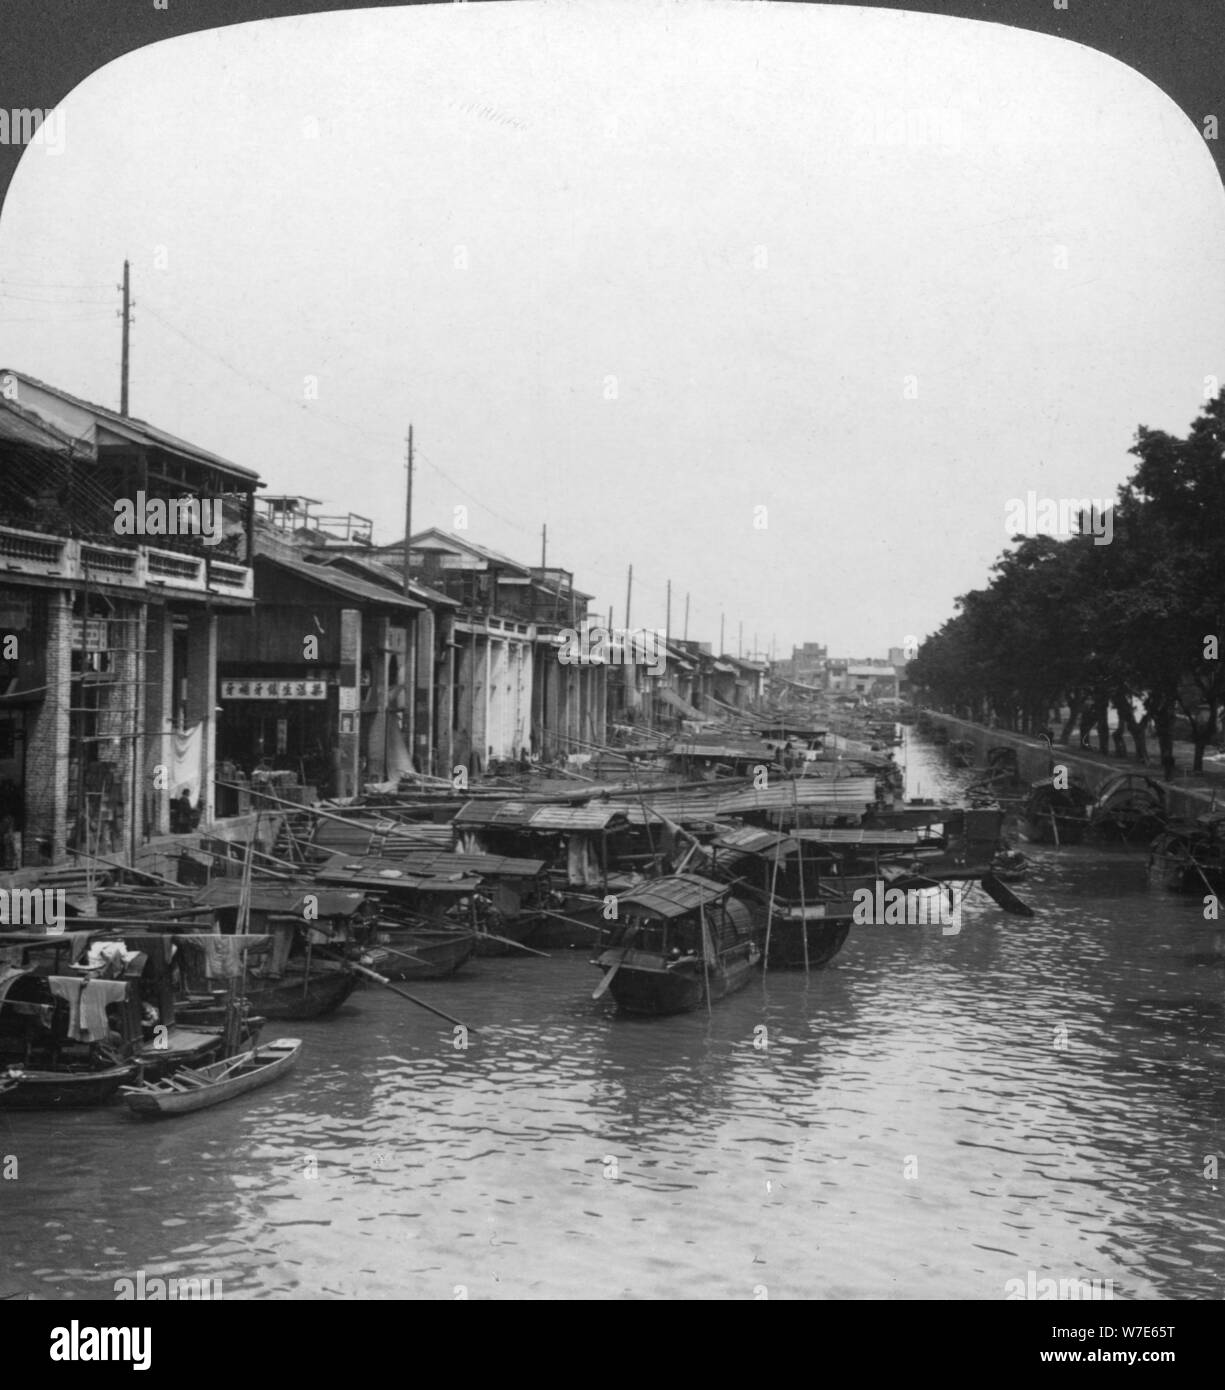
[(378, 979)]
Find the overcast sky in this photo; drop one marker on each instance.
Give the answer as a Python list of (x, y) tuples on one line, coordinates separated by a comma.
[(637, 270)]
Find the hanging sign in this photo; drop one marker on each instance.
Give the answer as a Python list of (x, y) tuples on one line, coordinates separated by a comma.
[(263, 688)]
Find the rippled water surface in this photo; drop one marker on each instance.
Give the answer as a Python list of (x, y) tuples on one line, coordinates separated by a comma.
[(930, 1117)]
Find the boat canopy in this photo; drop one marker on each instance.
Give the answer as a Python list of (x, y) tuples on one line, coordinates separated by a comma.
[(391, 873), (286, 899), (533, 816), (674, 896), (431, 863)]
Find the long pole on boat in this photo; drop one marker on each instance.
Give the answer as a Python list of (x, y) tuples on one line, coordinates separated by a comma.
[(765, 959), (378, 979), (799, 840), (706, 944)]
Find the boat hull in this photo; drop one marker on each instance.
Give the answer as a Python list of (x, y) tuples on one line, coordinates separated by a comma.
[(656, 991), (437, 956), (51, 1090), (287, 1000), (786, 947), (225, 1081)]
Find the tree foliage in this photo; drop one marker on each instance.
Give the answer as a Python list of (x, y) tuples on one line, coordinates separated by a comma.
[(1135, 624)]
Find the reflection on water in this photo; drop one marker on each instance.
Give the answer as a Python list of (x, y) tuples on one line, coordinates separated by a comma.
[(931, 1117)]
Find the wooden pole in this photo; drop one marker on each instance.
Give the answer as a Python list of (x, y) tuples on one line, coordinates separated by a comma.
[(408, 524), (378, 979), (127, 321)]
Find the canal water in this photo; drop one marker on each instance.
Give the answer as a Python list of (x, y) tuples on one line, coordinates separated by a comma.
[(935, 1115)]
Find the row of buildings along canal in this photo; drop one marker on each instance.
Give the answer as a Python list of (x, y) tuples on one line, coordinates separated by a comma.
[(148, 673)]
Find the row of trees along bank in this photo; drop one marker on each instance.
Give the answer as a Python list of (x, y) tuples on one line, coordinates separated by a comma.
[(1135, 624)]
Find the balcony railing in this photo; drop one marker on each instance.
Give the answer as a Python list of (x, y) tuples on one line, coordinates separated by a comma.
[(29, 552), (181, 571), (131, 567), (236, 580)]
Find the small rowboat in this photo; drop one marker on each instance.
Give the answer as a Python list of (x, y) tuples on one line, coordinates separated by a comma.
[(189, 1090)]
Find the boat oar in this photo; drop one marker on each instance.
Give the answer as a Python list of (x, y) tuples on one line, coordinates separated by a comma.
[(574, 921), (412, 998), (506, 941), (1004, 896), (391, 951), (602, 988)]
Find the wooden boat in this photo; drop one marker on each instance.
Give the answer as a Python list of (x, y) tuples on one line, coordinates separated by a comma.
[(63, 1088), (419, 953), (1189, 856), (1130, 806), (189, 1090), (681, 941), (295, 997), (806, 936), (493, 895), (1056, 814)]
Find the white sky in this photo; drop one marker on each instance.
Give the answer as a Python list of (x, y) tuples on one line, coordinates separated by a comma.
[(759, 219)]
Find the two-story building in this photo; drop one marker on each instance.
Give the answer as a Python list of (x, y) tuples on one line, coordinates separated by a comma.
[(121, 546)]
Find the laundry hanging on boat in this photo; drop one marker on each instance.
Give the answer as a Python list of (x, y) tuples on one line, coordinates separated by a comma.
[(95, 997), (582, 867), (113, 956), (68, 988)]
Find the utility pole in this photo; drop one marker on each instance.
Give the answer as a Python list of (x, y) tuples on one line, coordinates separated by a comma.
[(408, 506), (722, 616), (668, 619), (686, 617), (629, 589), (127, 320), (544, 543), (740, 641)]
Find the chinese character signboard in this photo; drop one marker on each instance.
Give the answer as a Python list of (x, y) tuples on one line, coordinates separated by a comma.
[(267, 688)]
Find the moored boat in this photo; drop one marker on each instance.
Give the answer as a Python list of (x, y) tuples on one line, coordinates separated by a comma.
[(419, 953), (296, 997), (680, 942), (1129, 806), (1056, 813), (1189, 856), (70, 1087), (190, 1090)]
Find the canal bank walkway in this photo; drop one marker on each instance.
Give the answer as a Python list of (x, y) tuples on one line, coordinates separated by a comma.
[(1187, 794)]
